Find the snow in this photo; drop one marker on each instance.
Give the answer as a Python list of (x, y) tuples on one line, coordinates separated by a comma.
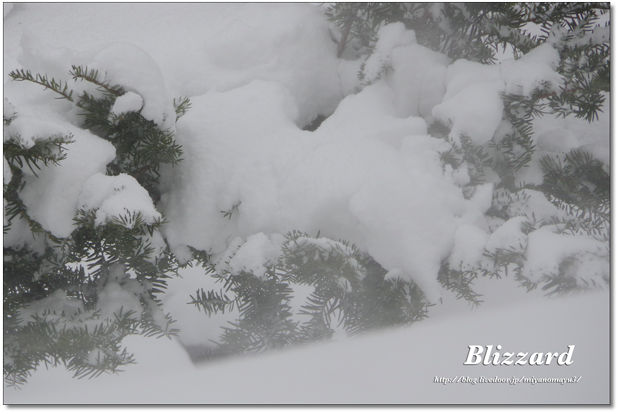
[(417, 80), (39, 57), (127, 64), (6, 171), (119, 197), (32, 125), (8, 110), (533, 70), (296, 51), (115, 63), (354, 372), (52, 197), (509, 236), (472, 103), (465, 73), (389, 37), (476, 111), (290, 179), (120, 295), (557, 140), (257, 252), (547, 250), (116, 299), (556, 137), (198, 328), (247, 145), (57, 304), (534, 205), (370, 174), (129, 102), (469, 244)]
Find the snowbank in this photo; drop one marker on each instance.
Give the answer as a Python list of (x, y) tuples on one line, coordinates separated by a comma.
[(392, 367)]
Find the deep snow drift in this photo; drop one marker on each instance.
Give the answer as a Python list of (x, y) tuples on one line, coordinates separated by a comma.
[(370, 174), (384, 368)]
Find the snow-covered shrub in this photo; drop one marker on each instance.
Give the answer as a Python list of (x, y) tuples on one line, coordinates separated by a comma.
[(308, 288), (83, 253), (439, 165), (487, 113)]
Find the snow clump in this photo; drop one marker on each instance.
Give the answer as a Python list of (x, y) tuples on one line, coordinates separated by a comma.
[(390, 36), (129, 102), (119, 198), (52, 196), (134, 69), (586, 259)]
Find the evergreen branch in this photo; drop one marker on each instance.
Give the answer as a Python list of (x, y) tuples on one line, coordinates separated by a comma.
[(83, 73), (345, 33), (460, 282), (7, 120), (182, 106), (48, 151), (211, 302), (64, 91), (109, 252)]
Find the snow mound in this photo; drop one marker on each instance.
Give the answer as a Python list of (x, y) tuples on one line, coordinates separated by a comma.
[(476, 111), (129, 102), (547, 253), (508, 237), (380, 185), (535, 69), (31, 125), (254, 255), (473, 104), (42, 58), (135, 70), (418, 80), (389, 37), (119, 198), (254, 43), (534, 205), (52, 197), (469, 244)]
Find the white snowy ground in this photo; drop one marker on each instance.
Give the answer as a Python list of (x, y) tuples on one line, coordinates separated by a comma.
[(255, 73), (383, 368)]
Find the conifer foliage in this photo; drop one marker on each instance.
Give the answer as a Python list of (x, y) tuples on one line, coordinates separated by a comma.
[(348, 289), (71, 300), (577, 184)]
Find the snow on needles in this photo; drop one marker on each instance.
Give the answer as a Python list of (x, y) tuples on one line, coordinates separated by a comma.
[(129, 102), (381, 187), (390, 36), (473, 101), (547, 252), (134, 69), (120, 198), (370, 174), (52, 196), (119, 63)]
